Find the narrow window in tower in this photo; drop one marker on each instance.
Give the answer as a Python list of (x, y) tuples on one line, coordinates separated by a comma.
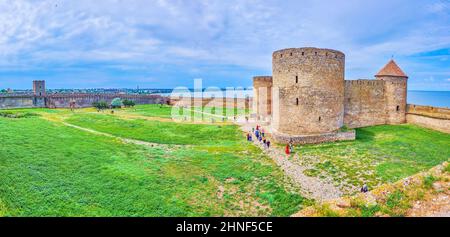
[(303, 53), (296, 101), (320, 119), (291, 54), (281, 55), (315, 53), (398, 108), (296, 79)]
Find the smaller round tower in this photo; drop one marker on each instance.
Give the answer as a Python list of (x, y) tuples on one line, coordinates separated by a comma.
[(262, 98), (395, 92)]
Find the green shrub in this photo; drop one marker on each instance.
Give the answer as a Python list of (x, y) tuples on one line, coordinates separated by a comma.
[(101, 105), (369, 211), (447, 169), (428, 181), (128, 103), (344, 129), (11, 114)]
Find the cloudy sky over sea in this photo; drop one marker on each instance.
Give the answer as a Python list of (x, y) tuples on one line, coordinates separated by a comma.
[(164, 44)]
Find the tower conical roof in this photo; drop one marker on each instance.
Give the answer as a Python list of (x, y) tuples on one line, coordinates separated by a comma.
[(391, 69)]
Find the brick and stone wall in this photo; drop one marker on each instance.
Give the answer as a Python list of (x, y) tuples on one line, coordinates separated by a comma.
[(262, 97), (314, 138), (63, 100), (430, 117), (16, 101), (86, 100), (364, 103)]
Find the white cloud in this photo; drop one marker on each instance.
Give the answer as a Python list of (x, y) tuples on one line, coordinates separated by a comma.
[(235, 32)]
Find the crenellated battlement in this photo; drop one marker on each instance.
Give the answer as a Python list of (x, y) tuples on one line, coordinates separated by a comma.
[(286, 54), (262, 79), (365, 82)]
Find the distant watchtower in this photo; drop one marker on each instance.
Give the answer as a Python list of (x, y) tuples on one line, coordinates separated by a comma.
[(39, 88)]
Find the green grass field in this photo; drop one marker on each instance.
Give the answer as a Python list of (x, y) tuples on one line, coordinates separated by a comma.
[(49, 169), (379, 154), (191, 169)]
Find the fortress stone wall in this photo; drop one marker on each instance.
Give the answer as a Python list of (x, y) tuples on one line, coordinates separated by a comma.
[(364, 103), (262, 97), (40, 99), (429, 117), (86, 100), (311, 100), (16, 101)]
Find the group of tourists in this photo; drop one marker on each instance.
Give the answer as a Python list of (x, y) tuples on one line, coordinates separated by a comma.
[(260, 135)]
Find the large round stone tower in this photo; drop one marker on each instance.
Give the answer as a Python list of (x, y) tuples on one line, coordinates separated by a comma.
[(308, 91)]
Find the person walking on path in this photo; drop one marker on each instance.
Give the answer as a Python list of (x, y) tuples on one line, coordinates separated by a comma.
[(268, 144), (287, 150), (364, 188), (291, 147)]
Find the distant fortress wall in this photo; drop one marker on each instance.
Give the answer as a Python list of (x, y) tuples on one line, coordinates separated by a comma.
[(430, 117), (16, 101), (241, 103), (40, 99), (86, 100)]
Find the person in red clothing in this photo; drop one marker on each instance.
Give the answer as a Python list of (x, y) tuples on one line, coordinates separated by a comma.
[(287, 150)]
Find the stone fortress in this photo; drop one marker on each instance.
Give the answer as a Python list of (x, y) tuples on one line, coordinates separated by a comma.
[(308, 100), (40, 99)]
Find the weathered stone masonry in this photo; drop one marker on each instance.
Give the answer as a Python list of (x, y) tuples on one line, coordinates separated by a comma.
[(429, 117), (311, 100), (262, 89)]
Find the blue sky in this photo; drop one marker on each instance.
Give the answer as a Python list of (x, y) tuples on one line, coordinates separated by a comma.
[(164, 44)]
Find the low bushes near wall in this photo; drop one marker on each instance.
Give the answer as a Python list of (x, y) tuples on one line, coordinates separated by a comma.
[(101, 105), (17, 114), (389, 200), (345, 129), (128, 103)]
